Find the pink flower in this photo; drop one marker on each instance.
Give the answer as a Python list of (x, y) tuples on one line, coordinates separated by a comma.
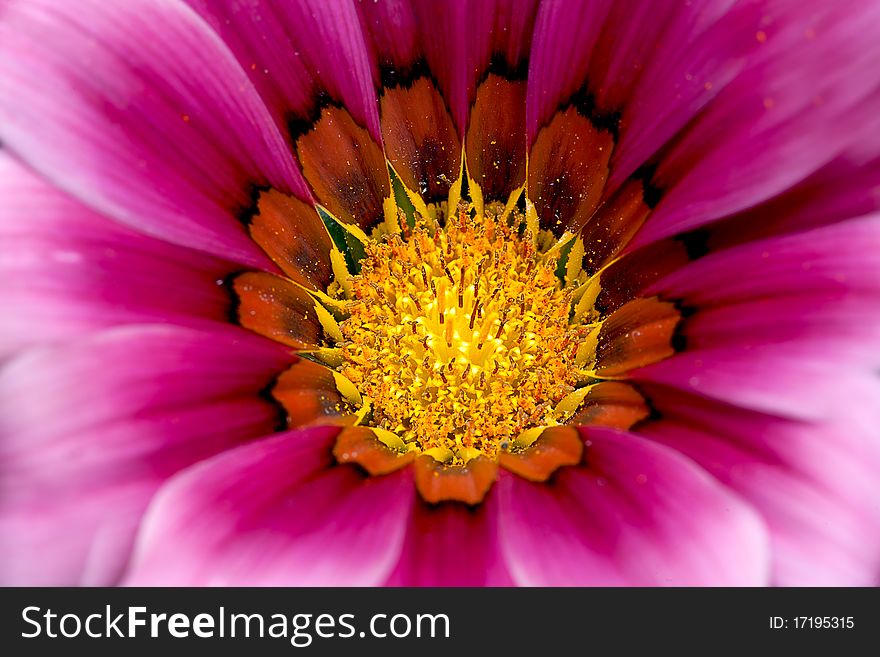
[(592, 294)]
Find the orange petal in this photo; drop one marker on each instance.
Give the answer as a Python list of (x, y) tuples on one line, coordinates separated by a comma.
[(345, 168), (278, 309), (556, 447), (568, 167), (612, 404), (292, 234), (461, 483), (639, 333), (360, 445), (496, 137), (308, 393), (614, 225), (420, 139)]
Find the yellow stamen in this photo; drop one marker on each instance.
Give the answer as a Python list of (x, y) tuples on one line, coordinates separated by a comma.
[(460, 368)]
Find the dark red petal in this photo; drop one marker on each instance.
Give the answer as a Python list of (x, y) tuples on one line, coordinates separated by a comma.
[(612, 404), (568, 166), (309, 394), (278, 309), (637, 334), (291, 232), (345, 167)]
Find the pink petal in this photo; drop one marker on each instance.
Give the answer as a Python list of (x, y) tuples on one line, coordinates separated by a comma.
[(138, 110), (91, 429), (846, 187), (612, 47), (844, 257), (277, 512), (795, 380), (294, 51), (400, 33), (816, 485), (452, 545), (635, 514), (68, 271), (777, 127)]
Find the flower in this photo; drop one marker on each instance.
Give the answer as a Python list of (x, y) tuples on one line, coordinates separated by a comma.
[(479, 292)]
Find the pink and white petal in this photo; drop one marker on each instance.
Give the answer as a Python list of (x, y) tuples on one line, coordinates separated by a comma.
[(814, 484), (296, 51), (279, 512), (452, 545), (92, 428), (635, 513), (140, 111), (68, 271), (776, 132)]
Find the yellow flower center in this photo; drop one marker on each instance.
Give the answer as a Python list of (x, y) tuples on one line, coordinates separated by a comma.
[(458, 338)]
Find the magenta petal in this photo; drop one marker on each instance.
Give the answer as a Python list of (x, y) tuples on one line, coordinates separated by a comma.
[(138, 110), (786, 379), (277, 512), (68, 271), (816, 485), (452, 545), (89, 430), (844, 257), (295, 50), (564, 36), (774, 134), (401, 33), (635, 514)]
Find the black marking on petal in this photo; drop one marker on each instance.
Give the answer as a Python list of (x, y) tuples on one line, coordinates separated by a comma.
[(696, 243), (266, 395), (234, 302), (653, 412), (299, 125), (394, 76), (465, 189), (246, 216), (650, 192), (500, 66), (585, 103), (679, 340)]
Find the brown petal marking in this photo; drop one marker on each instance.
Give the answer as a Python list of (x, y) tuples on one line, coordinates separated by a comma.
[(462, 483), (612, 404), (634, 272), (345, 168), (420, 139), (568, 167), (639, 333), (361, 446), (278, 309), (556, 447), (614, 224), (496, 137), (291, 232), (308, 393)]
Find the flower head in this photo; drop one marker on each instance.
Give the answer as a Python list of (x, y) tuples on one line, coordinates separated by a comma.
[(411, 292)]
